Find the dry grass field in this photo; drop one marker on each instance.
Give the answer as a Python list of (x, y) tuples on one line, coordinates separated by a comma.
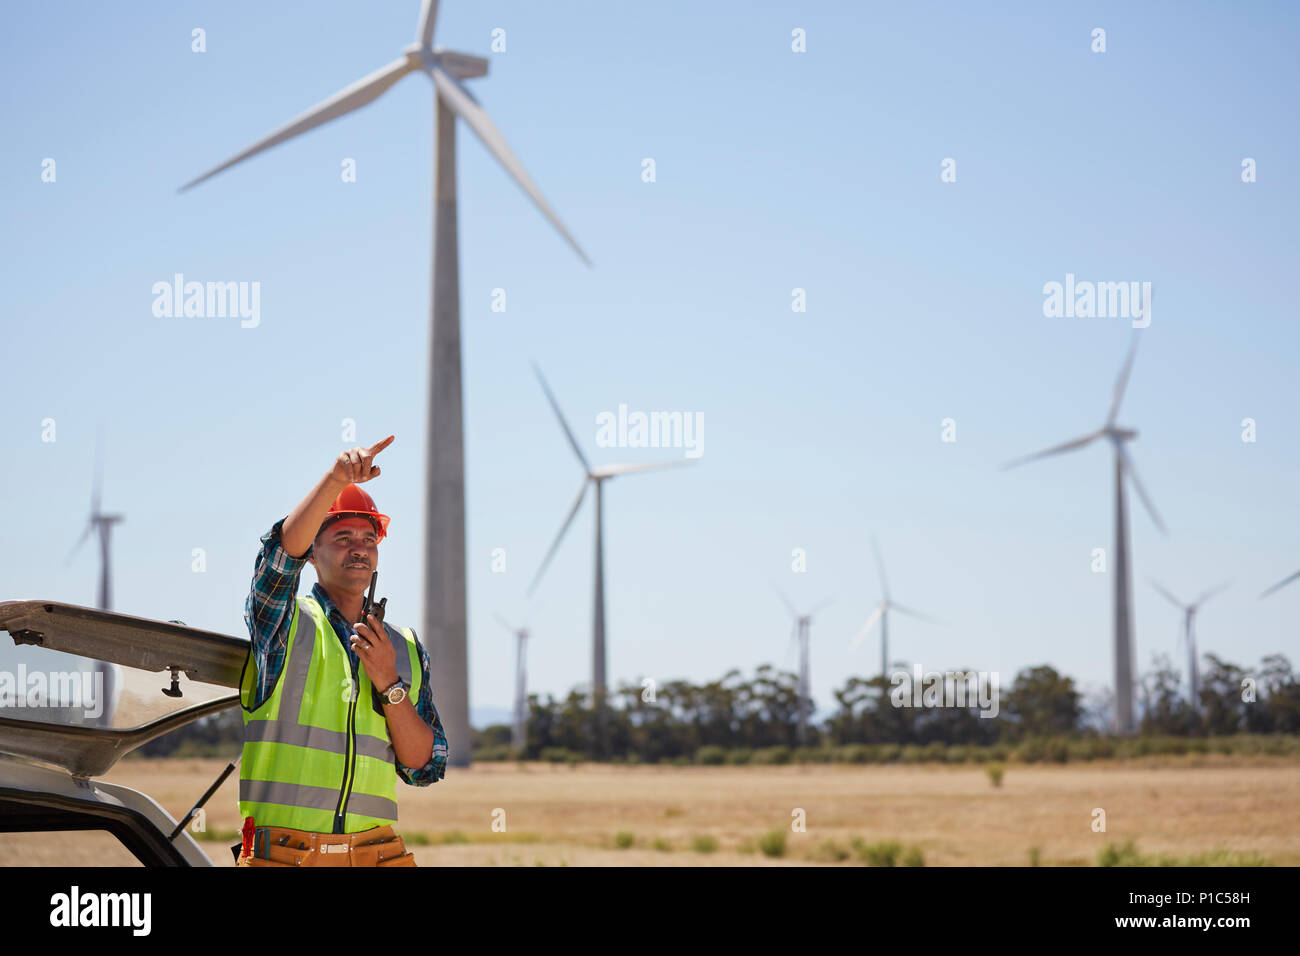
[(556, 815)]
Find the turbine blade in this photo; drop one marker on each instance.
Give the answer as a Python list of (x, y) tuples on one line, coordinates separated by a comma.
[(1172, 600), (365, 90), (1137, 484), (1054, 450), (582, 493), (428, 17), (866, 628), (609, 471), (786, 601), (504, 623), (90, 526), (463, 105), (821, 607), (880, 568), (1281, 584), (1121, 383), (895, 606), (568, 432), (1213, 591)]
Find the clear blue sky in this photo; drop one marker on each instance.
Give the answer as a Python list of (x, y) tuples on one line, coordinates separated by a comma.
[(775, 170)]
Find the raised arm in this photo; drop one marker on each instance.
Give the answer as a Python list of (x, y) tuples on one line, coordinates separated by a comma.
[(353, 466)]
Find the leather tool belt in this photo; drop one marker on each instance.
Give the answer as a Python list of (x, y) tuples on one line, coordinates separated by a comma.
[(282, 846)]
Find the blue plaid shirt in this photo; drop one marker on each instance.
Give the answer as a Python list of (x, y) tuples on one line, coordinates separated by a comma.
[(268, 612)]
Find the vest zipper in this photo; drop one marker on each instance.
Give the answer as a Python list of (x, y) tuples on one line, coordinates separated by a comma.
[(350, 760)]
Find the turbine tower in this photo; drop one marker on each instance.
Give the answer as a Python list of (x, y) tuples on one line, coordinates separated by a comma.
[(594, 477), (520, 712), (1189, 637), (881, 614), (801, 631), (444, 617), (1124, 467)]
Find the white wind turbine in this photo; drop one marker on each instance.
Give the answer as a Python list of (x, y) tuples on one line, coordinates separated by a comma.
[(517, 738), (1124, 466), (1189, 636), (801, 632), (592, 477), (881, 614), (444, 616)]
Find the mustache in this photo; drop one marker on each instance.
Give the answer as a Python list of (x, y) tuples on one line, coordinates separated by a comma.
[(350, 563)]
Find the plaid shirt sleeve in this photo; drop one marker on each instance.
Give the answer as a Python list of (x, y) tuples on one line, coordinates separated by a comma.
[(436, 768), (268, 609)]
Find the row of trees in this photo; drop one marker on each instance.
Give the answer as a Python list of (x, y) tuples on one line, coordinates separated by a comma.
[(762, 711)]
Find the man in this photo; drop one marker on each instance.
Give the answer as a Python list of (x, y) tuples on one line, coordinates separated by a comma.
[(335, 708)]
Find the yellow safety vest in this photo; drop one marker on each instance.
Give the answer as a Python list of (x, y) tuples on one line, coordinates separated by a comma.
[(317, 755)]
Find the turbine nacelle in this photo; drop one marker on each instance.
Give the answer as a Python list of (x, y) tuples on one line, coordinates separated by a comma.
[(463, 66)]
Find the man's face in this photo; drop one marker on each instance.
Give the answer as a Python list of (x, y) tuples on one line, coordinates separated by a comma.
[(345, 554)]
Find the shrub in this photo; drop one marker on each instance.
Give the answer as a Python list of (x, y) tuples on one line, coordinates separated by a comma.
[(772, 843), (711, 756), (772, 755), (705, 844), (995, 771), (554, 754), (913, 754), (417, 838), (854, 753), (1035, 856), (623, 839), (662, 845), (884, 853), (914, 857), (1123, 855), (828, 851), (740, 755)]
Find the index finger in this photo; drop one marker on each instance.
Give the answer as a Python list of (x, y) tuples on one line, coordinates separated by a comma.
[(379, 446)]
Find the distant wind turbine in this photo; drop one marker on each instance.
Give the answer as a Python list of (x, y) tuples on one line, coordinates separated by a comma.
[(444, 482), (102, 524), (1123, 569), (592, 477), (881, 614), (517, 739), (801, 632), (1189, 636)]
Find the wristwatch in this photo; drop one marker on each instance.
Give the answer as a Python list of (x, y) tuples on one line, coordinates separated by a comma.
[(395, 693)]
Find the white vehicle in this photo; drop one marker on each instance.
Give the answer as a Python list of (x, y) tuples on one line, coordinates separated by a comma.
[(171, 675)]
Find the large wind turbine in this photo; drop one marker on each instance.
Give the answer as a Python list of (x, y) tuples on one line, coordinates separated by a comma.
[(1122, 568), (1189, 636), (801, 631), (517, 739), (881, 614), (592, 477), (444, 545)]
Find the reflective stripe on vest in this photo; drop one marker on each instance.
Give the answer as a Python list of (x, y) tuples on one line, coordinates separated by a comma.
[(310, 744)]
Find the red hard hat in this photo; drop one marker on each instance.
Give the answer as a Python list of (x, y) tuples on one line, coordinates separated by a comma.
[(353, 501)]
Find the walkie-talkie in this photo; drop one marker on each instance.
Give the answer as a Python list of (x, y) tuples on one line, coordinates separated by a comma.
[(368, 605)]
